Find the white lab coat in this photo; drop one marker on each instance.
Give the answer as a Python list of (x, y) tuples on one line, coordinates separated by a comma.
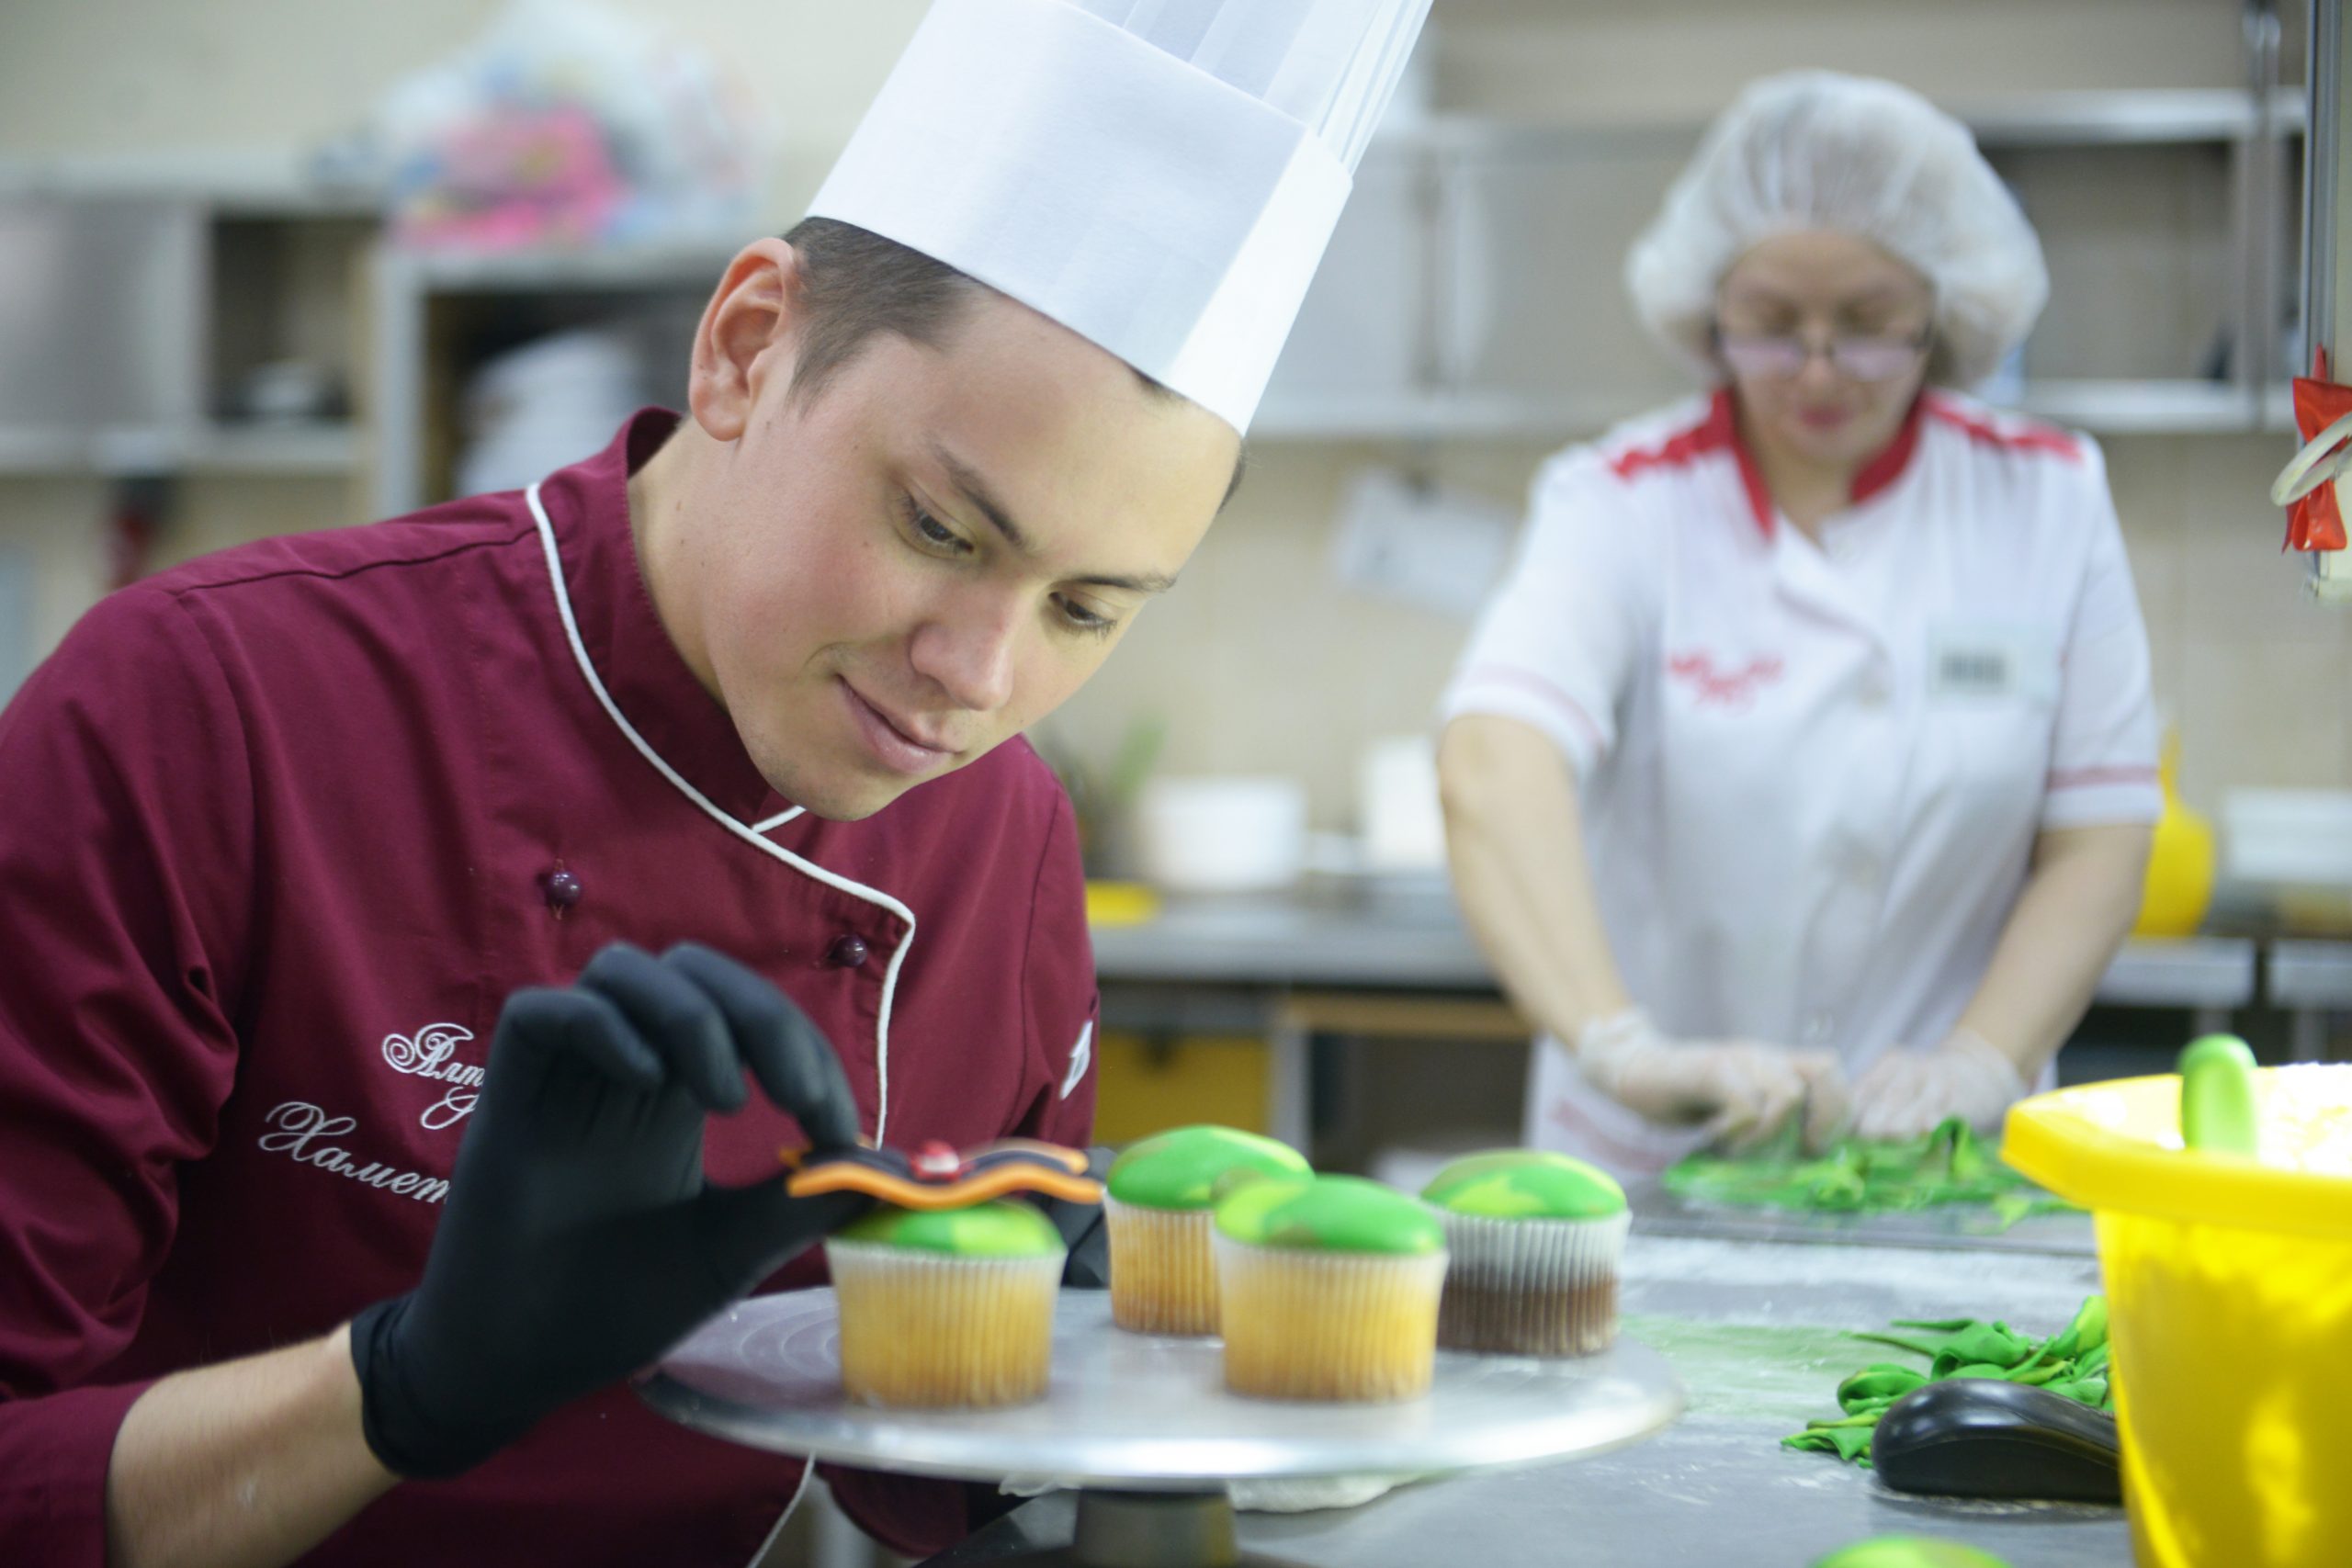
[(1811, 774)]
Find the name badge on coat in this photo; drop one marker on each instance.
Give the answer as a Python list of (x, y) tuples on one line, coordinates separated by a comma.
[(1991, 661)]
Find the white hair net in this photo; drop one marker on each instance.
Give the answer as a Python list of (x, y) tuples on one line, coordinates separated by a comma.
[(1814, 150)]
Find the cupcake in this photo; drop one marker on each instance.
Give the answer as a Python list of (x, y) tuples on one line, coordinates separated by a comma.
[(1329, 1289), (1156, 1202), (1534, 1240), (950, 1307)]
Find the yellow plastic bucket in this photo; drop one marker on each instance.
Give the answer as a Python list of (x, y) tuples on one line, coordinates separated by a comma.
[(2229, 1287)]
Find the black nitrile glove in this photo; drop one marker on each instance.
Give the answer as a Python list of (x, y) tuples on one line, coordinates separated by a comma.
[(1083, 1231), (580, 1241)]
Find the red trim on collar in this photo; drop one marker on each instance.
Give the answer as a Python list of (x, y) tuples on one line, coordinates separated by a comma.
[(2015, 436), (1717, 432), (1751, 476), (1880, 473)]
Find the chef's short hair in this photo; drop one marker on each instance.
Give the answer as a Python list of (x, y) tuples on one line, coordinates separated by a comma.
[(854, 283)]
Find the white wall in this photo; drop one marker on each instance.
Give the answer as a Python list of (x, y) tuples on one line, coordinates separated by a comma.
[(139, 75)]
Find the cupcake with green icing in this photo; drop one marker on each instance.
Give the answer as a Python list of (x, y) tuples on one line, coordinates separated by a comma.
[(1329, 1289), (1155, 1202), (946, 1308), (1534, 1240)]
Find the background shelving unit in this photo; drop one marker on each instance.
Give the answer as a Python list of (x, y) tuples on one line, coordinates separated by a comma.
[(1473, 293), (1474, 290), (145, 297)]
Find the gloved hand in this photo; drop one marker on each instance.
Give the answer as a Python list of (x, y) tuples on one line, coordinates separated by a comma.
[(1083, 1231), (578, 1239), (1906, 1092), (1744, 1091)]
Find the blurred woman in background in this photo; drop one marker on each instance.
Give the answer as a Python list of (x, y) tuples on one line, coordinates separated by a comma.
[(1804, 764)]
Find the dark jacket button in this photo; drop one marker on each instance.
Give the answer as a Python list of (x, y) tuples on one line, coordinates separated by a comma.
[(847, 953), (562, 890)]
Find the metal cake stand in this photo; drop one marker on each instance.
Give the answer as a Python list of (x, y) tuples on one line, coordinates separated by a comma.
[(1142, 1426)]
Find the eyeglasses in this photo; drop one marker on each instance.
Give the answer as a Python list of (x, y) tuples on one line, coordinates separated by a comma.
[(1783, 357)]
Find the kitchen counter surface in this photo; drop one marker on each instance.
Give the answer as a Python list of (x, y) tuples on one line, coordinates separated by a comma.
[(1421, 944), (1272, 965), (1758, 1332)]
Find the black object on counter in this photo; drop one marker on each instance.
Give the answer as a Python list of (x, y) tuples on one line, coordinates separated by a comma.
[(1986, 1437)]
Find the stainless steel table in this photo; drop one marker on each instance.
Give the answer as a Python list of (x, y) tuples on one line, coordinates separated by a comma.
[(1757, 1331), (1971, 1227), (1251, 955)]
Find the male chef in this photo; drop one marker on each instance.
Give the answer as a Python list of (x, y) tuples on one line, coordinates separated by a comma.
[(422, 938)]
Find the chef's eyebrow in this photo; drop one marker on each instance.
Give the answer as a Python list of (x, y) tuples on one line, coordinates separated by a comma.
[(975, 488)]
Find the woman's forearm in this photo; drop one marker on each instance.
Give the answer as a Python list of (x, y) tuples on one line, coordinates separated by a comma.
[(2077, 906), (1515, 843), (247, 1464)]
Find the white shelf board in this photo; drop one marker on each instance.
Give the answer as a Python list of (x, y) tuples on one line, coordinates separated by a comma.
[(2143, 408), (1493, 417), (324, 449), (594, 268), (269, 181), (27, 453), (320, 449), (2103, 408), (2142, 117), (2097, 119)]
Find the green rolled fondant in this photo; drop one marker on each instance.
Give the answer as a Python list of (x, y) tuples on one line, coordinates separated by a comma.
[(1908, 1551), (999, 1229), (1187, 1167), (1945, 1165), (2072, 1362), (1525, 1184), (2218, 1114), (1329, 1214)]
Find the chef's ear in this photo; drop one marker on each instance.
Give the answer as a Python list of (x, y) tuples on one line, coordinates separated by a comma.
[(745, 346)]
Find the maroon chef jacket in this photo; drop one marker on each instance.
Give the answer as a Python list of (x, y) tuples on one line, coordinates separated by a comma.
[(279, 832)]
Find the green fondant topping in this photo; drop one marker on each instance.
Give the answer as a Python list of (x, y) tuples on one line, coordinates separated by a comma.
[(1185, 1168), (2218, 1114), (1525, 1184), (1908, 1551), (1329, 1213), (999, 1229)]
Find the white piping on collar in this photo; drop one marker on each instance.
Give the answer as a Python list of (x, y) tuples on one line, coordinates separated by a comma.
[(744, 831), (778, 820)]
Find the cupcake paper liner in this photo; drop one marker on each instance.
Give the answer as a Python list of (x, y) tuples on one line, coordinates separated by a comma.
[(1163, 1274), (926, 1329), (1530, 1287), (1328, 1325)]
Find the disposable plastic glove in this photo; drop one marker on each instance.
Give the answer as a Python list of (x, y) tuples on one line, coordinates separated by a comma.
[(1906, 1092), (580, 1240), (1744, 1091)]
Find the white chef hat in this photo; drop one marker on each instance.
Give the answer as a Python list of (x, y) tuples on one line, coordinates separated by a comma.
[(1816, 149), (1158, 176)]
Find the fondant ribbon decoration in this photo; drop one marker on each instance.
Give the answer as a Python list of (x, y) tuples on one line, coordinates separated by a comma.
[(937, 1175)]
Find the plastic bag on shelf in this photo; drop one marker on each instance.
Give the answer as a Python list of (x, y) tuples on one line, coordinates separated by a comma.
[(566, 123)]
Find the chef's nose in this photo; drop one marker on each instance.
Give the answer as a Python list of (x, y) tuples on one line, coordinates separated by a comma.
[(967, 648), (1820, 373)]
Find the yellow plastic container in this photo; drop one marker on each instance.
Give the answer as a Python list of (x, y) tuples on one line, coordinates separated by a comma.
[(2181, 863), (2229, 1287)]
